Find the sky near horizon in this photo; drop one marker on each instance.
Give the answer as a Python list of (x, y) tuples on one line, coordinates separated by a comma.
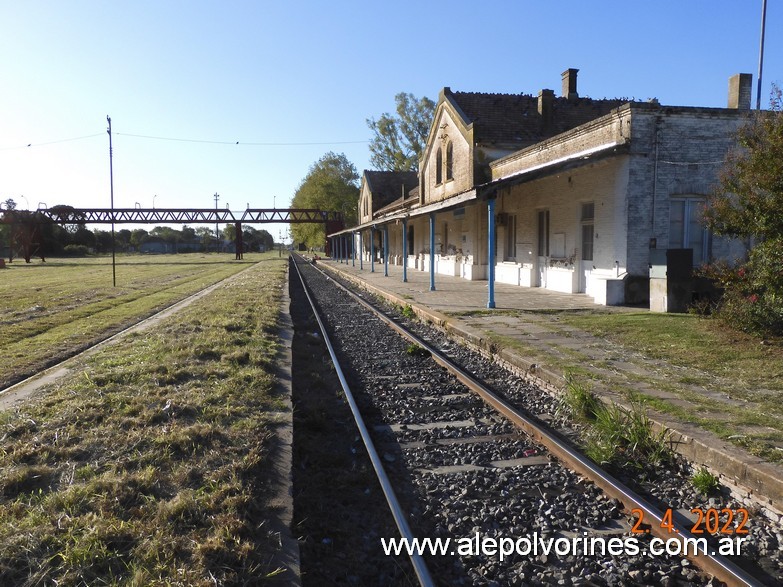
[(241, 97)]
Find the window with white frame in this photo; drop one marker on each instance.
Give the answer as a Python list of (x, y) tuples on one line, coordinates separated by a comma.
[(686, 229), (543, 233), (588, 230)]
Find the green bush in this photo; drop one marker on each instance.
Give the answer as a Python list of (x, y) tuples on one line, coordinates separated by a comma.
[(747, 205), (76, 250), (753, 292)]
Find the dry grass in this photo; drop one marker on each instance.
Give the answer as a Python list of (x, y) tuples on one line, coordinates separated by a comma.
[(149, 468), (50, 310), (690, 341)]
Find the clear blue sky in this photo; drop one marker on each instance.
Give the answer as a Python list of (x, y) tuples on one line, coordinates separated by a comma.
[(300, 78)]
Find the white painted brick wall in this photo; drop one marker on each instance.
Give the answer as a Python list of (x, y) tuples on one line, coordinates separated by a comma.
[(674, 152)]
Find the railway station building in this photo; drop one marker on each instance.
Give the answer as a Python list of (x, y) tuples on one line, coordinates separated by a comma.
[(567, 193)]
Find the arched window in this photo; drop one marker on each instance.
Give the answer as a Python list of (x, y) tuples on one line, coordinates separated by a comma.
[(439, 167), (449, 161)]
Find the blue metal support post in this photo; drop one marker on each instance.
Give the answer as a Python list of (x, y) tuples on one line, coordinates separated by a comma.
[(491, 255), (432, 251), (372, 250), (386, 250), (361, 251), (353, 249), (404, 250)]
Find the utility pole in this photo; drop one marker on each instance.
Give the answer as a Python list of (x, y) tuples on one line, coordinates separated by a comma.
[(111, 184), (761, 51), (217, 230)]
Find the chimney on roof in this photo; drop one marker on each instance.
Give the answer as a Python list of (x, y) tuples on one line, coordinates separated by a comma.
[(569, 84), (545, 100), (740, 91)]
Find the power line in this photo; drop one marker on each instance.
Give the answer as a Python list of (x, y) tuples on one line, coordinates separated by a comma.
[(253, 143), (181, 140), (29, 145)]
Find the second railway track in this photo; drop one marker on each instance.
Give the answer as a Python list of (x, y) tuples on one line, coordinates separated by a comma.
[(465, 472)]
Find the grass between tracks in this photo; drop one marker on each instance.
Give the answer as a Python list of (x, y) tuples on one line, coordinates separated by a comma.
[(150, 466), (50, 310)]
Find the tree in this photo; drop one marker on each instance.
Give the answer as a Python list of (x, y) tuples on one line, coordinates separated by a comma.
[(188, 234), (166, 234), (749, 205), (5, 230), (398, 141), (256, 240), (266, 239), (103, 241), (206, 235), (138, 237), (123, 238), (229, 233), (331, 184), (83, 236)]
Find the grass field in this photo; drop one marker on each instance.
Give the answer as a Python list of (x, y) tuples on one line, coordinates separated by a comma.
[(50, 310), (149, 467)]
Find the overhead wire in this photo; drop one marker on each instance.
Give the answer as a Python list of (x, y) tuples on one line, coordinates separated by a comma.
[(29, 145), (251, 143), (183, 140)]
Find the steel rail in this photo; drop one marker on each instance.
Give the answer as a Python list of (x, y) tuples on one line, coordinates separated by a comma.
[(419, 566), (717, 565)]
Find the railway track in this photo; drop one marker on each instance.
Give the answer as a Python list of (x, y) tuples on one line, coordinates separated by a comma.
[(460, 463)]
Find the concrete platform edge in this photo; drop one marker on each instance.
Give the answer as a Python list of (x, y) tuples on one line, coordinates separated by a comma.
[(282, 499), (752, 480)]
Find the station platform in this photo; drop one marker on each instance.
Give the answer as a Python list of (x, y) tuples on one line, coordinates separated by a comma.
[(454, 294), (525, 331)]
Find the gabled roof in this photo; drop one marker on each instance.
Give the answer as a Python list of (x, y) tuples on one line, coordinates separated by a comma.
[(514, 120), (387, 186)]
